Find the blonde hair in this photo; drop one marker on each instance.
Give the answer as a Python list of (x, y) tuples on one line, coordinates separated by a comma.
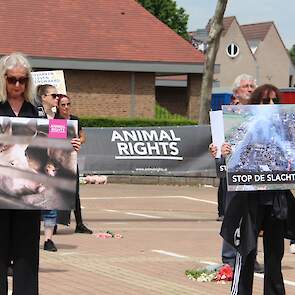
[(41, 90), (9, 62)]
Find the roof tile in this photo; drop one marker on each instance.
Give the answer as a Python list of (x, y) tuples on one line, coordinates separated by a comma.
[(91, 29), (256, 31)]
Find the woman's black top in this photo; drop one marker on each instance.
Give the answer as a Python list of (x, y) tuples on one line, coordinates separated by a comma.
[(27, 110)]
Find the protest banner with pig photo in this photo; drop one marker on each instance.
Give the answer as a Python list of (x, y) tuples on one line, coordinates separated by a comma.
[(38, 165), (262, 138)]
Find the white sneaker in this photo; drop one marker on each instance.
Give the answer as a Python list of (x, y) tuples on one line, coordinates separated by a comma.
[(292, 248)]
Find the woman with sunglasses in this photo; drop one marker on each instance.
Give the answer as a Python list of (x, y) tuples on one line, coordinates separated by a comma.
[(20, 229), (47, 98), (265, 94), (250, 212), (64, 112)]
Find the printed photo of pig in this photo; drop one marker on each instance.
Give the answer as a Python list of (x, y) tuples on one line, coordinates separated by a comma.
[(36, 172)]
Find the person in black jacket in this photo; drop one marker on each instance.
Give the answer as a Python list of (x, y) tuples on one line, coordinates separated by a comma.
[(64, 112), (243, 87), (250, 212), (20, 229)]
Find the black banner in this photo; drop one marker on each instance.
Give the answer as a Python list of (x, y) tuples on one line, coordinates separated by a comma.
[(174, 151), (220, 167)]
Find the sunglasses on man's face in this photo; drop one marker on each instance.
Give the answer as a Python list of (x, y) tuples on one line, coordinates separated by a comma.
[(13, 80), (266, 100)]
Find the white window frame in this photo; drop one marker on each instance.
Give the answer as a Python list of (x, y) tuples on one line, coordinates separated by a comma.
[(231, 46)]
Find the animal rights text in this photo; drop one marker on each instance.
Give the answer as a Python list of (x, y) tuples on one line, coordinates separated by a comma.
[(147, 144)]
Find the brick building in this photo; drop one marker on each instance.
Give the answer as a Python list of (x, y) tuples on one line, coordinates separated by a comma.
[(110, 51)]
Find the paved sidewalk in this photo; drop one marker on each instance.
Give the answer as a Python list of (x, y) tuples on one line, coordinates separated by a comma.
[(166, 230)]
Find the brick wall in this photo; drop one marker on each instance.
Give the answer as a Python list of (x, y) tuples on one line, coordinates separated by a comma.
[(145, 95), (194, 82), (174, 99), (99, 93)]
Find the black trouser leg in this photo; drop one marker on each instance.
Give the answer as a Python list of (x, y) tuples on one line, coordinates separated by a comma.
[(243, 274), (244, 267), (25, 245), (20, 237), (77, 211), (273, 243), (228, 252), (4, 250), (220, 199)]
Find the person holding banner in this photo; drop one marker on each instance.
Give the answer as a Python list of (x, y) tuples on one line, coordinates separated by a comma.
[(47, 105), (243, 87), (64, 112), (20, 229), (250, 212)]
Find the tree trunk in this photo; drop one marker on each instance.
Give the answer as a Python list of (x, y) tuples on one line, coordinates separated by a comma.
[(216, 26)]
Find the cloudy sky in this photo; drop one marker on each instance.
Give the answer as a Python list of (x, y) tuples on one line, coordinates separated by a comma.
[(251, 11)]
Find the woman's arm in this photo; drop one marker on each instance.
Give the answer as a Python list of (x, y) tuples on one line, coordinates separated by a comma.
[(82, 136)]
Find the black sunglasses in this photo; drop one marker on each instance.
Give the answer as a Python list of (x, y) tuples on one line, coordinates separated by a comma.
[(55, 95), (13, 80), (266, 100)]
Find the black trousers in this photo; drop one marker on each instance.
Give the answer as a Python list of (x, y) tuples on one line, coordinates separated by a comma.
[(273, 244), (221, 197), (77, 211), (20, 236), (64, 216)]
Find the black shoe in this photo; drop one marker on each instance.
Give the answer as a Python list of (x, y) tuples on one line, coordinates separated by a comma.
[(258, 268), (10, 271), (49, 246), (82, 229)]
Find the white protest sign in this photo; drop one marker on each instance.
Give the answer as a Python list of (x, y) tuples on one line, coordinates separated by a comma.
[(55, 78), (217, 130)]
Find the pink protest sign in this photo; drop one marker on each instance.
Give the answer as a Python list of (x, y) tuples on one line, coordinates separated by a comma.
[(57, 128)]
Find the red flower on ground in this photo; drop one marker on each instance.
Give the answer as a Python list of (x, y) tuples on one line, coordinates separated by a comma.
[(225, 273)]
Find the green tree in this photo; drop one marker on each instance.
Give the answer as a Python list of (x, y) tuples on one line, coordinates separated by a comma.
[(168, 12), (292, 53)]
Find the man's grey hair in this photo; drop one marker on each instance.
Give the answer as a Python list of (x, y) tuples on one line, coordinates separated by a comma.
[(237, 82), (9, 62)]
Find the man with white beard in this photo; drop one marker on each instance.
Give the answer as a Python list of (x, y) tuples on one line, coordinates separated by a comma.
[(243, 87)]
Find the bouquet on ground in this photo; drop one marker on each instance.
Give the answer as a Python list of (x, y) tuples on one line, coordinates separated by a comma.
[(217, 273), (108, 234)]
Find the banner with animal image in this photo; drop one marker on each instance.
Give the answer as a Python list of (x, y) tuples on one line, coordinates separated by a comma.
[(38, 165), (262, 138), (160, 151)]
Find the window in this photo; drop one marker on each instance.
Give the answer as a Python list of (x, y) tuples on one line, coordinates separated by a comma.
[(232, 50)]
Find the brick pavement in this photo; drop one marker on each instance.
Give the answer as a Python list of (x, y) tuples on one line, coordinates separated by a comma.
[(156, 222)]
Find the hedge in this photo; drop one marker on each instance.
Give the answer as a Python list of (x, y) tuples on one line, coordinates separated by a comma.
[(133, 122)]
